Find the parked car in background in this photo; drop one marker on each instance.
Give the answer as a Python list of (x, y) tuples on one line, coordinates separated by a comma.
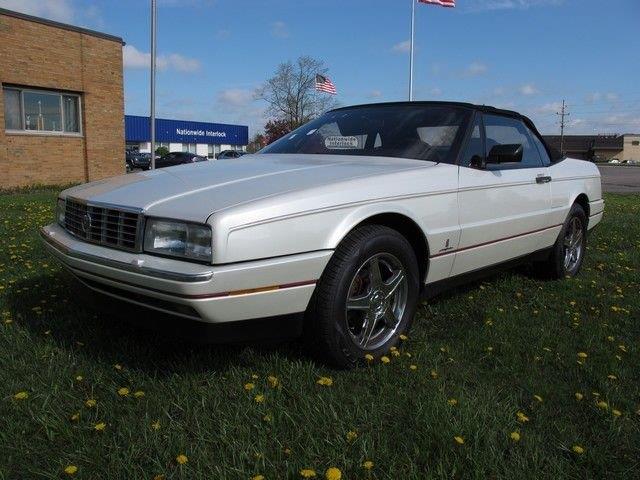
[(178, 158), (614, 160), (226, 154), (339, 227), (138, 160)]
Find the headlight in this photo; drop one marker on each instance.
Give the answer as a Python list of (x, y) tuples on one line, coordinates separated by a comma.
[(178, 239), (60, 208)]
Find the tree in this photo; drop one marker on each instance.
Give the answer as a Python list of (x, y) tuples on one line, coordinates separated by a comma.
[(162, 151), (291, 95), (258, 142), (274, 129)]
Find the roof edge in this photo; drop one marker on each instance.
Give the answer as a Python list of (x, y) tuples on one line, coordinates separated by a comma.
[(63, 26)]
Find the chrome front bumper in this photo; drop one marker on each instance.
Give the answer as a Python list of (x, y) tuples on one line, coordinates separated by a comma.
[(209, 293)]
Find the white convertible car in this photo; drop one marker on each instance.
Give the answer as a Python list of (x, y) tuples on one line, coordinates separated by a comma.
[(347, 220)]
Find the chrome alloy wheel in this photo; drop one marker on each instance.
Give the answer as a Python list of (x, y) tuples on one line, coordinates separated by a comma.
[(376, 301), (573, 244)]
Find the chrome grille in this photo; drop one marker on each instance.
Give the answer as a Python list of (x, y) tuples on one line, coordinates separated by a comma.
[(111, 227)]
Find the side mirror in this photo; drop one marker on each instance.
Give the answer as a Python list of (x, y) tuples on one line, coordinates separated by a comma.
[(507, 153)]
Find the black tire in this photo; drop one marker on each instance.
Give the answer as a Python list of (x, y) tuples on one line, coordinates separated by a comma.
[(556, 267), (327, 330)]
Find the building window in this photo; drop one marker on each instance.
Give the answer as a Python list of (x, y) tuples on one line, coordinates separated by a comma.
[(213, 151), (41, 111), (189, 147)]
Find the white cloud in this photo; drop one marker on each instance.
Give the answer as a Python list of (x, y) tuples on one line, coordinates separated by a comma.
[(279, 29), (402, 47), (59, 10), (475, 69), (528, 89), (236, 97), (482, 5), (134, 58), (597, 96), (552, 107)]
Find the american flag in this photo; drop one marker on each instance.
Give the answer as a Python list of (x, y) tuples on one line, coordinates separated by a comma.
[(443, 3), (324, 84)]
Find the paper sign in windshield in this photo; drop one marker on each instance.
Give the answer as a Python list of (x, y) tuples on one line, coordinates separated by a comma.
[(339, 142)]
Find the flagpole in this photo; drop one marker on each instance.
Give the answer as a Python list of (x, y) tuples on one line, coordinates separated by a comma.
[(413, 29), (152, 112)]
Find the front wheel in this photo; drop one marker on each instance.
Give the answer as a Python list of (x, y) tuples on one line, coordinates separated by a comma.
[(366, 298), (568, 252)]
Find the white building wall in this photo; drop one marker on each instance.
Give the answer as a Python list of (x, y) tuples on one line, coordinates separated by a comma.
[(175, 147), (202, 149)]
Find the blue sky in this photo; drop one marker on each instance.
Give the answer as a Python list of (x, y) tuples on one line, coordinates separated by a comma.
[(526, 55)]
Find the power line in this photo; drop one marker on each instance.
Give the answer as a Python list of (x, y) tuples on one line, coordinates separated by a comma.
[(562, 113)]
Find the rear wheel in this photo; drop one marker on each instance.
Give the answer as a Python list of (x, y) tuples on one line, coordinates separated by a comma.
[(366, 297), (568, 252)]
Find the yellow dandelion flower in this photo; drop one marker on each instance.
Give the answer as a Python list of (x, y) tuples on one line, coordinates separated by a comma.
[(602, 405), (333, 473), (75, 417), (138, 394), (257, 477), (325, 381), (577, 449), (307, 473), (100, 426), (538, 398), (182, 459), (156, 425), (610, 338), (582, 355), (123, 392), (395, 353), (21, 396), (273, 381), (352, 435), (617, 413), (368, 357), (70, 469), (385, 359), (254, 376), (515, 436), (612, 377), (259, 398), (413, 367), (367, 464), (249, 386), (79, 378), (403, 337), (90, 403), (579, 396), (622, 348), (522, 418), (452, 401), (434, 374), (459, 440)]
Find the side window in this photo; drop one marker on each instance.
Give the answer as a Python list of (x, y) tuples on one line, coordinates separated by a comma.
[(542, 150), (474, 153), (504, 131)]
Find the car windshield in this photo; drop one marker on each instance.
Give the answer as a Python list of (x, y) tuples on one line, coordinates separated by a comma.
[(422, 132)]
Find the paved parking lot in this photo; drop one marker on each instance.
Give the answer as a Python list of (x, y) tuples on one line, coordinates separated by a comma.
[(620, 179)]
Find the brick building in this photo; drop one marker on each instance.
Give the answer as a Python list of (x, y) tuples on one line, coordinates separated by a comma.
[(61, 106)]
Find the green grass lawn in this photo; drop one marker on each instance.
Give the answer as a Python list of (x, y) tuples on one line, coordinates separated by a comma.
[(476, 357)]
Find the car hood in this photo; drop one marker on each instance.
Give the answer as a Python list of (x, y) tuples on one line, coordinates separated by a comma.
[(195, 191)]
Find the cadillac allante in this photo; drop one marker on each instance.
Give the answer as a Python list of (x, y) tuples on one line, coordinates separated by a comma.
[(336, 230)]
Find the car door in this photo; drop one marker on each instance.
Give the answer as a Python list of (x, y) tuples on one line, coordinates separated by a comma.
[(503, 209)]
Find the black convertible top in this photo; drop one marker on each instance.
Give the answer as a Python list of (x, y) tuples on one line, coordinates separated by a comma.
[(553, 153)]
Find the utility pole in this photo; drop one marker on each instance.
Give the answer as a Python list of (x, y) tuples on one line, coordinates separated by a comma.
[(152, 116), (562, 113)]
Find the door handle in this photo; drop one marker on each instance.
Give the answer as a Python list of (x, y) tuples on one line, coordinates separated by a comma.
[(543, 179)]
